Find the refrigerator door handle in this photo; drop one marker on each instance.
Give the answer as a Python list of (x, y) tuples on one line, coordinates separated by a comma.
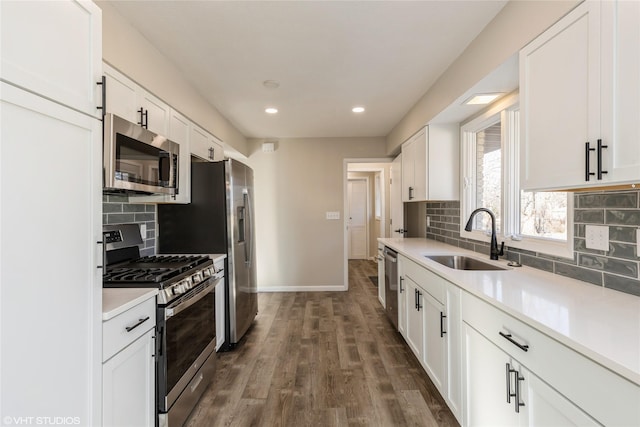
[(247, 227)]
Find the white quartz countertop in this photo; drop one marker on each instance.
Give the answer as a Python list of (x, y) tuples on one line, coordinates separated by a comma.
[(119, 300), (602, 324)]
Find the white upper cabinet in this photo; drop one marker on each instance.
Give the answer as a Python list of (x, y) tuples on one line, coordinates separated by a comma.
[(621, 90), (430, 164), (127, 99), (205, 146), (580, 101), (38, 62)]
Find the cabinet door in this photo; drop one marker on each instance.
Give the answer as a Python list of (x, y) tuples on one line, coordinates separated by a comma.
[(218, 150), (157, 112), (453, 326), (179, 132), (402, 304), (395, 198), (408, 170), (420, 162), (486, 383), (51, 197), (544, 406), (381, 281), (560, 101), (129, 385), (201, 144), (435, 341), (54, 49), (621, 90), (121, 95), (415, 321)]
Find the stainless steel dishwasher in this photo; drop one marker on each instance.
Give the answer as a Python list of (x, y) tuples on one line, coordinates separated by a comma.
[(391, 284)]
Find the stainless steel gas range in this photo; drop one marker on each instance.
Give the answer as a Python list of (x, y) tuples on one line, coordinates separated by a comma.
[(186, 319)]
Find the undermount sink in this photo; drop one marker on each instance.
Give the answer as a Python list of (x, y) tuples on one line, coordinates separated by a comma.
[(461, 262)]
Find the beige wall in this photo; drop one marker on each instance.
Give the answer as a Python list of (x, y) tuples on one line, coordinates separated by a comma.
[(516, 25), (297, 247), (124, 48)]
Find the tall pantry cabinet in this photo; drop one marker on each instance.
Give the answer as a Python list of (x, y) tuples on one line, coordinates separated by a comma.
[(50, 212)]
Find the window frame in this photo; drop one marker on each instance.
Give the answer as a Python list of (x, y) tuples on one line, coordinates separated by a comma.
[(507, 112)]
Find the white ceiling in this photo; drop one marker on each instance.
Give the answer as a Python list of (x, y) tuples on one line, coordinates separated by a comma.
[(328, 56)]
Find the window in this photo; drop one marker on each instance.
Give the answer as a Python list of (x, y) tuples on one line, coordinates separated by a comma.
[(536, 221)]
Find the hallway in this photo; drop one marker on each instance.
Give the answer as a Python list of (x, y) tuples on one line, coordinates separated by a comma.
[(322, 359)]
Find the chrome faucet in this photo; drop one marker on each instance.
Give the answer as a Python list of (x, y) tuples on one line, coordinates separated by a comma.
[(494, 253)]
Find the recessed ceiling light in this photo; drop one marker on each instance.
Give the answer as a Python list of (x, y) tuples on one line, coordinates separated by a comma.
[(271, 84), (271, 110), (357, 109), (482, 98)]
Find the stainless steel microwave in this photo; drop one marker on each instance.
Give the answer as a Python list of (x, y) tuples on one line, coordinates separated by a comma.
[(137, 160)]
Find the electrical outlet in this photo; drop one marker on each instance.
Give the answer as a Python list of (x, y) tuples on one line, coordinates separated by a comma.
[(143, 231), (428, 221), (597, 237)]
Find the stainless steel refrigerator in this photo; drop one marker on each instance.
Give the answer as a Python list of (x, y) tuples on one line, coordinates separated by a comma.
[(219, 220)]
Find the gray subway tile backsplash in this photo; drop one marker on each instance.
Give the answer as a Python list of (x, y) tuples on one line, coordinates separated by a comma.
[(118, 209), (618, 268)]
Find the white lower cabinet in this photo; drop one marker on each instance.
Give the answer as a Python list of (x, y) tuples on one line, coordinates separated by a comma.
[(128, 396), (128, 369), (381, 273), (435, 342), (415, 316), (502, 392), (555, 384), (402, 298), (429, 320), (484, 362)]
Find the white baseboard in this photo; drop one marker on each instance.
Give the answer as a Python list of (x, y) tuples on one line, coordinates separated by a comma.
[(328, 288)]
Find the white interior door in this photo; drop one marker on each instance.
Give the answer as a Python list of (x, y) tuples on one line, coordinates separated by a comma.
[(395, 198), (357, 229)]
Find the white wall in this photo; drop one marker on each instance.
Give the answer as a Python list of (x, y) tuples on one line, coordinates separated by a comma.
[(516, 24), (297, 247), (124, 48)]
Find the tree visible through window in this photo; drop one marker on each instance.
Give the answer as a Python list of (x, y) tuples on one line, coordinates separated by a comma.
[(489, 175)]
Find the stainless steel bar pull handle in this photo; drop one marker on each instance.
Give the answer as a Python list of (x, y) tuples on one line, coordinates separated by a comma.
[(600, 147), (508, 337), (410, 193), (587, 151), (508, 373), (140, 322), (517, 402), (442, 331), (401, 280)]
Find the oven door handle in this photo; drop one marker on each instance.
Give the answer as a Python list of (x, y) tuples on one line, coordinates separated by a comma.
[(172, 311)]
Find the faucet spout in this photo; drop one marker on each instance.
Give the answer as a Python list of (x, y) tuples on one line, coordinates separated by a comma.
[(494, 252)]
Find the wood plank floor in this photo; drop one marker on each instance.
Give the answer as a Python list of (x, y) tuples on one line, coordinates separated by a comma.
[(322, 359)]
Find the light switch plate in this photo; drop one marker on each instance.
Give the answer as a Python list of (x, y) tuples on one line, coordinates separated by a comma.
[(333, 215), (597, 237)]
